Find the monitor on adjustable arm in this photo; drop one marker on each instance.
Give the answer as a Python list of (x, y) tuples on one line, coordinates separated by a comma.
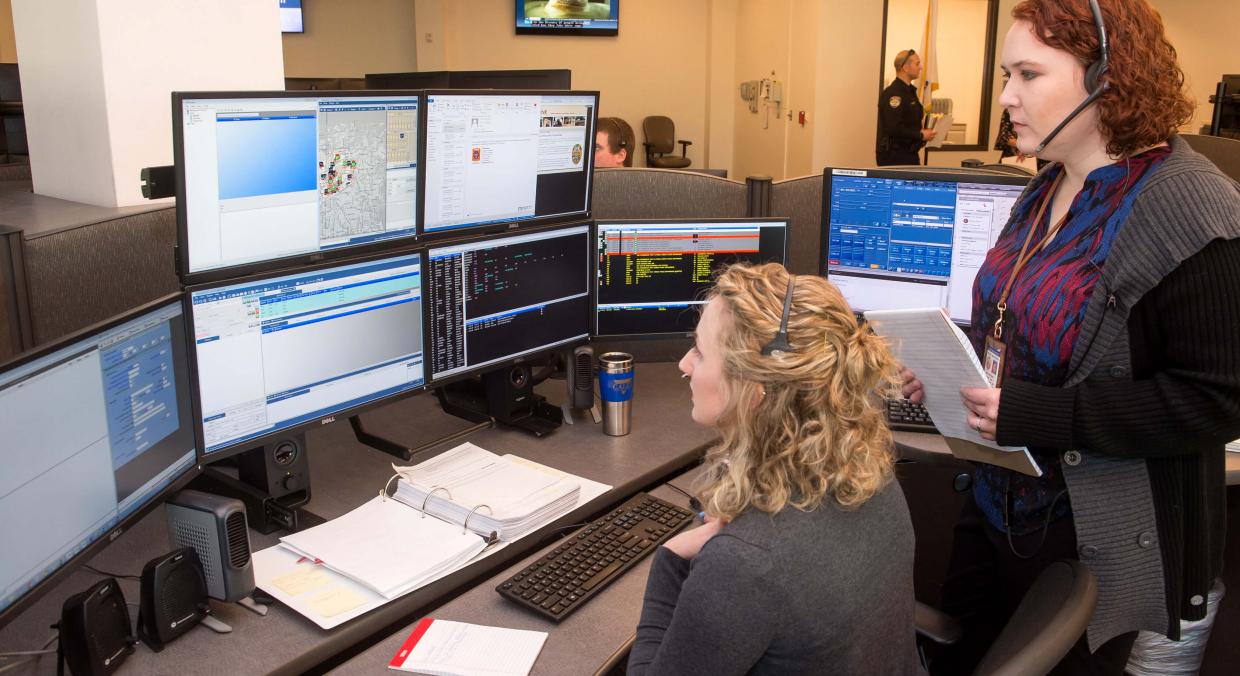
[(896, 239), (270, 179), (653, 274), (276, 353), (97, 430), (500, 159)]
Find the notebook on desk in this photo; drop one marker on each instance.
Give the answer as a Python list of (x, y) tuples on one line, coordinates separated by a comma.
[(392, 545)]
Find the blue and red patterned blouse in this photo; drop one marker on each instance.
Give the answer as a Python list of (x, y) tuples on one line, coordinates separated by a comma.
[(1044, 313)]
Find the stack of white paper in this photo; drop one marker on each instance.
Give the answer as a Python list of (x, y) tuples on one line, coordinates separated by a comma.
[(445, 648), (386, 546), (487, 493), (1234, 446)]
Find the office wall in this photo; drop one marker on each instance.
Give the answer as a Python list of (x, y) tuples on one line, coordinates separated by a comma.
[(655, 66), (762, 49), (350, 39), (721, 85), (848, 53), (8, 42), (1204, 33)]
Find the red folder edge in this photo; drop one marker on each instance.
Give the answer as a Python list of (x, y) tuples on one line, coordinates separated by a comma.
[(410, 642)]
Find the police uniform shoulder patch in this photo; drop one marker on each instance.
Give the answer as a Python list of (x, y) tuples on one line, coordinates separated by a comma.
[(894, 102)]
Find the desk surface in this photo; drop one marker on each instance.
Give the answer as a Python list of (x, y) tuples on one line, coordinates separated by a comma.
[(344, 474)]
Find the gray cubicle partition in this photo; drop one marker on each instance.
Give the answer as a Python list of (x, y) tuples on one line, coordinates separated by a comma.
[(666, 193), (800, 201), (65, 265)]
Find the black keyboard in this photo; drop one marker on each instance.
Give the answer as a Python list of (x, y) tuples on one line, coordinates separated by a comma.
[(906, 416), (563, 579)]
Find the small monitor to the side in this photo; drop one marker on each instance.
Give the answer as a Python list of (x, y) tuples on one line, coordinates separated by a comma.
[(652, 275), (276, 353), (277, 175), (499, 299), (895, 239), (97, 428), (507, 157)]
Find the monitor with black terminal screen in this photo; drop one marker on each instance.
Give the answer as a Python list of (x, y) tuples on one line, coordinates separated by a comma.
[(897, 239), (653, 274), (270, 179), (499, 159), (275, 353), (97, 430), (498, 300)]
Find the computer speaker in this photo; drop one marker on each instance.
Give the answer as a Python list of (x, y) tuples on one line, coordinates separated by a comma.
[(281, 467), (174, 597), (95, 637), (580, 377), (509, 391), (216, 528)]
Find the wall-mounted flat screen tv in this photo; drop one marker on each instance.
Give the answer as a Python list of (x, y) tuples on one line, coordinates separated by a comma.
[(568, 17)]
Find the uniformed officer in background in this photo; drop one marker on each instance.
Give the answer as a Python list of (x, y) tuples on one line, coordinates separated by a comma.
[(900, 114)]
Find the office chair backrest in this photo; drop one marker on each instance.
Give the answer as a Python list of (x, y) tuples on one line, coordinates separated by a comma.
[(1223, 152), (660, 132), (1050, 619)]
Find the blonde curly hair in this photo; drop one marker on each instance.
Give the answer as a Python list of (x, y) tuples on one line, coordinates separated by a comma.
[(818, 428)]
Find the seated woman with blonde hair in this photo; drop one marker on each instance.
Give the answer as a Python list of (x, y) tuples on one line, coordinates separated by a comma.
[(805, 563)]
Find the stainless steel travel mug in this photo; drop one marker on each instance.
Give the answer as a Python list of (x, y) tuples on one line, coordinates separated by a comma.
[(615, 386)]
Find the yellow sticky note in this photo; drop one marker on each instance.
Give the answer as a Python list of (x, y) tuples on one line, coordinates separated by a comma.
[(306, 578), (336, 601)]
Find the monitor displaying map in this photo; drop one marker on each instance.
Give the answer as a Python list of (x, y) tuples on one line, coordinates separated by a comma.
[(266, 177)]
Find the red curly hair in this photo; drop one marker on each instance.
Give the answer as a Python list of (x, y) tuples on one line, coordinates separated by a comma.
[(1146, 102)]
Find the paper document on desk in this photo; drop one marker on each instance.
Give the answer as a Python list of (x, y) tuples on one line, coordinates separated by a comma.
[(942, 124), (927, 342), (1234, 446), (446, 648)]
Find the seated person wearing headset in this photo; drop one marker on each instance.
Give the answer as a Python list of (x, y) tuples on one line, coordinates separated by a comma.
[(805, 562), (611, 145)]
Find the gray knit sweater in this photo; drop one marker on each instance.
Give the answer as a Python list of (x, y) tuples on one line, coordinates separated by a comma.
[(826, 591)]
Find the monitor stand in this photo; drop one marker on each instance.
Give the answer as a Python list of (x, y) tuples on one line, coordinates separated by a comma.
[(504, 395)]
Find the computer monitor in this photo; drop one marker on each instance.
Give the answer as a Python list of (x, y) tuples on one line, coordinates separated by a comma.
[(653, 275), (599, 17), (496, 158), (895, 239), (493, 301), (289, 176), (276, 353), (97, 430)]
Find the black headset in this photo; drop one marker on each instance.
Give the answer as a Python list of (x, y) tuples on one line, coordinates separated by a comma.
[(780, 342), (1093, 77)]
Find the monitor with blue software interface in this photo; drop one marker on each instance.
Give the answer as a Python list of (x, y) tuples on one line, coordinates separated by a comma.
[(289, 176), (97, 429), (897, 239), (276, 353)]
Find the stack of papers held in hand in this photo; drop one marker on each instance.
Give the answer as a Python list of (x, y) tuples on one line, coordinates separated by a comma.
[(386, 546), (485, 492)]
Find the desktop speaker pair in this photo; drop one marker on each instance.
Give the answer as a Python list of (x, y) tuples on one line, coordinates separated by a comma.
[(95, 636)]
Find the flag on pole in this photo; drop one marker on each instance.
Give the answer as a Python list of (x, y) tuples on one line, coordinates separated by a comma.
[(930, 55)]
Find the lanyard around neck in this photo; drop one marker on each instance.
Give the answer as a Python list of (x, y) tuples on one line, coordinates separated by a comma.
[(1026, 253)]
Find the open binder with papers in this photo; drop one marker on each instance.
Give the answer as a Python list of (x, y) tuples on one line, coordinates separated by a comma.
[(428, 521), (926, 341)]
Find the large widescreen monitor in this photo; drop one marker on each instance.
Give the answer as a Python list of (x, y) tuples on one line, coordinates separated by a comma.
[(279, 352), (495, 300), (896, 239), (653, 275), (266, 176), (496, 158), (97, 429), (568, 17)]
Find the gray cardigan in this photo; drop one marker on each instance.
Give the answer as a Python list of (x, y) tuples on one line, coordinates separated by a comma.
[(1184, 205), (825, 591)]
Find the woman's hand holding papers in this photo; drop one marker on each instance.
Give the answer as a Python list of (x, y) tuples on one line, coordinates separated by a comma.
[(982, 404), (912, 389)]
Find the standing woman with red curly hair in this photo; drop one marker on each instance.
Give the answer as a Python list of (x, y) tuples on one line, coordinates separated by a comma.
[(1111, 302), (805, 563)]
